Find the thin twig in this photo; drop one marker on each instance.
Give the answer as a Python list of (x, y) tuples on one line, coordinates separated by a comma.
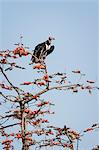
[(9, 126), (53, 88), (9, 81)]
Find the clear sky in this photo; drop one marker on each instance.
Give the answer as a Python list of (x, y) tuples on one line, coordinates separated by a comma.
[(74, 24)]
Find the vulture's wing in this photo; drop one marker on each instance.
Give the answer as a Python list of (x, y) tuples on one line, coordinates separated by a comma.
[(50, 50), (38, 52), (47, 52)]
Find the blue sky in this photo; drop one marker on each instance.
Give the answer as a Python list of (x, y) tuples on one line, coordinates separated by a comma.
[(74, 24)]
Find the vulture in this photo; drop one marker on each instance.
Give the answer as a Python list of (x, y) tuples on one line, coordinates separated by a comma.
[(42, 50)]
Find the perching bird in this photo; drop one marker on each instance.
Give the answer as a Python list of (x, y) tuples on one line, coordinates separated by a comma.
[(42, 50)]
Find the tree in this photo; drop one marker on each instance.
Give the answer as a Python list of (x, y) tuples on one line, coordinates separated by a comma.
[(26, 119)]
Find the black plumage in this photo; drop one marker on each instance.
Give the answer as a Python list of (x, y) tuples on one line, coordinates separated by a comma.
[(42, 50)]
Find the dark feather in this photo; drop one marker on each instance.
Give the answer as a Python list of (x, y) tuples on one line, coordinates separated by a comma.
[(40, 52)]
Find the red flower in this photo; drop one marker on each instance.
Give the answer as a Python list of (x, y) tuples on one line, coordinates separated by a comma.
[(43, 103), (27, 111), (18, 135), (7, 141), (40, 83), (88, 129), (70, 145), (26, 83), (55, 143), (28, 138), (34, 112), (20, 51), (39, 67), (16, 51), (46, 78), (44, 120), (4, 61), (50, 132), (35, 123), (65, 145), (5, 87), (25, 53), (11, 134), (75, 133), (35, 96)]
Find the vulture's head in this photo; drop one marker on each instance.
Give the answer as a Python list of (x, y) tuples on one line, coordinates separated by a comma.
[(51, 38)]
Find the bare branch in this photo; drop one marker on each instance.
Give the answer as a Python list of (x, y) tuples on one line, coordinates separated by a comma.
[(9, 81), (8, 126)]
